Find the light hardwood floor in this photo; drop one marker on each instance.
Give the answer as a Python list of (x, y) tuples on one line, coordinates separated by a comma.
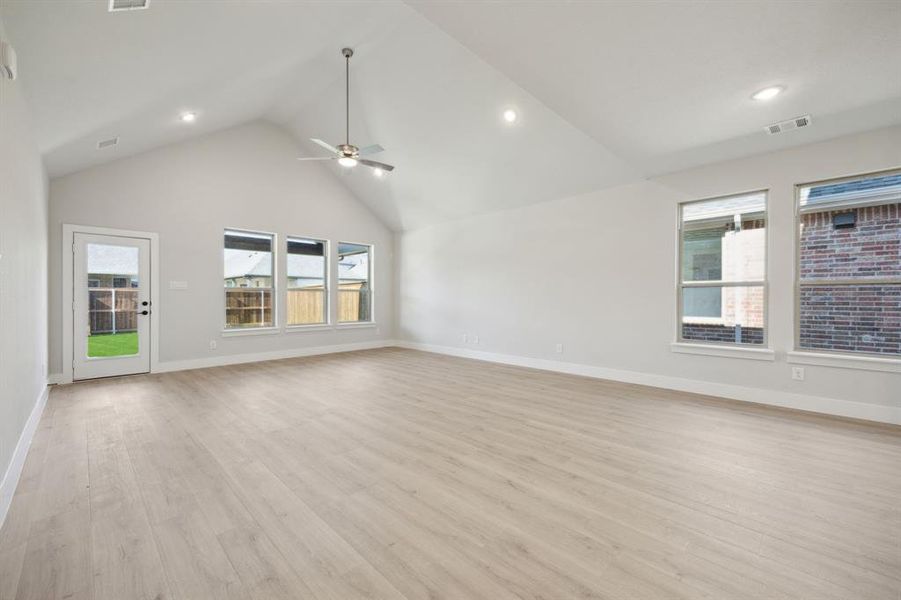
[(397, 474)]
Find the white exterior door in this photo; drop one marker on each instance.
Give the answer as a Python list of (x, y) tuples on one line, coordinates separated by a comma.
[(111, 306)]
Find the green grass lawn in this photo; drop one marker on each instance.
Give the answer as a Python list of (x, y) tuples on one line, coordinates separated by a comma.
[(113, 344)]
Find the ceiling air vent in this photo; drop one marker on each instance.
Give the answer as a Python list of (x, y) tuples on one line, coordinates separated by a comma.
[(784, 126), (117, 5), (107, 143)]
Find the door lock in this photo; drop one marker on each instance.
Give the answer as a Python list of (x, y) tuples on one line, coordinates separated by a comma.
[(145, 312)]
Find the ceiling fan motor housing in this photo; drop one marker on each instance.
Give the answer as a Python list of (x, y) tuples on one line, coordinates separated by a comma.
[(348, 150)]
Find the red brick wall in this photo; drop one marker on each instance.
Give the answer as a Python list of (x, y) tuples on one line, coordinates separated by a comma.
[(863, 318)]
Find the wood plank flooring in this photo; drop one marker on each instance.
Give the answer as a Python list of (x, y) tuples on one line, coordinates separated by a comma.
[(396, 474)]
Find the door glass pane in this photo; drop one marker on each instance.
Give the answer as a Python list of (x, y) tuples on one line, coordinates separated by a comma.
[(723, 314), (112, 300)]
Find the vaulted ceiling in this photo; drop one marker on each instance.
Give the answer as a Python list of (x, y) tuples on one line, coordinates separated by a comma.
[(607, 92)]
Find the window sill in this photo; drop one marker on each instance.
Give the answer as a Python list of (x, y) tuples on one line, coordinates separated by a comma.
[(725, 351), (254, 331), (845, 361), (311, 327), (355, 325)]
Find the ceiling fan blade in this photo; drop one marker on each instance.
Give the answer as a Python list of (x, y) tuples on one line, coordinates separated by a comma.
[(376, 165), (373, 149), (328, 147), (317, 158)]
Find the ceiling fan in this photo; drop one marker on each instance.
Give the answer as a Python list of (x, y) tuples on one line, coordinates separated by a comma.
[(347, 154)]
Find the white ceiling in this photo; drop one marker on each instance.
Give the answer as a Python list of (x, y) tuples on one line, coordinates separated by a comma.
[(608, 92), (666, 85)]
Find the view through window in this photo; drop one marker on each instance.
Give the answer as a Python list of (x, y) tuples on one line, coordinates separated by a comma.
[(307, 289), (249, 285), (849, 252), (354, 285), (723, 270)]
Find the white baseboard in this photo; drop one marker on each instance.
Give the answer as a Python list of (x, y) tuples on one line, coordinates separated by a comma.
[(11, 478), (817, 404), (236, 359)]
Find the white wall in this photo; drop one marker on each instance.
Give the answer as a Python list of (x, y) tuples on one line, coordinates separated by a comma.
[(23, 280), (246, 177), (596, 273)]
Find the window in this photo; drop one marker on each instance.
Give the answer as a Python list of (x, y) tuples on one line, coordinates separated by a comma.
[(354, 283), (249, 265), (722, 279), (307, 282), (849, 266)]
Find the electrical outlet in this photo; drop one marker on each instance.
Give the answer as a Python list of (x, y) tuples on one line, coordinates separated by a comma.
[(475, 339), (212, 344), (798, 373), (559, 349)]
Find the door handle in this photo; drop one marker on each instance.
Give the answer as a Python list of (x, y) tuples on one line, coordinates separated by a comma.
[(144, 312), (144, 303)]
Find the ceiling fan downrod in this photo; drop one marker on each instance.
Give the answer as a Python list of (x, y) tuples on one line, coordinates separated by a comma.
[(347, 52)]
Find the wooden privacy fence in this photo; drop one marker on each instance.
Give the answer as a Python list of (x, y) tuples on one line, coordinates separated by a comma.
[(112, 310), (252, 307), (306, 306), (353, 303), (248, 307)]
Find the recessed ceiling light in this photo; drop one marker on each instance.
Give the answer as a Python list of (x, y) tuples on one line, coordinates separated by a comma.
[(768, 93), (189, 117), (346, 161), (378, 172), (510, 115)]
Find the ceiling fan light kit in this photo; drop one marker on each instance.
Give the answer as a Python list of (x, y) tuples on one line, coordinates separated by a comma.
[(347, 154)]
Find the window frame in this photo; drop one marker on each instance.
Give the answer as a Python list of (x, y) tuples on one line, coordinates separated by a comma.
[(262, 330), (824, 356), (370, 278), (682, 344), (327, 287)]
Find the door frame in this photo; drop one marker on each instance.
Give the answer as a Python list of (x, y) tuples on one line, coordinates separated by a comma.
[(69, 231)]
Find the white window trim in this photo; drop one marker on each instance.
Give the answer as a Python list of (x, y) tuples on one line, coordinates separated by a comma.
[(736, 351), (338, 324), (309, 327), (821, 357), (844, 361), (753, 351), (274, 328), (356, 325), (250, 331)]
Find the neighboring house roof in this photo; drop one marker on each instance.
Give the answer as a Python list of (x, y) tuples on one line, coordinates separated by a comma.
[(860, 192), (873, 183), (105, 259), (241, 263)]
